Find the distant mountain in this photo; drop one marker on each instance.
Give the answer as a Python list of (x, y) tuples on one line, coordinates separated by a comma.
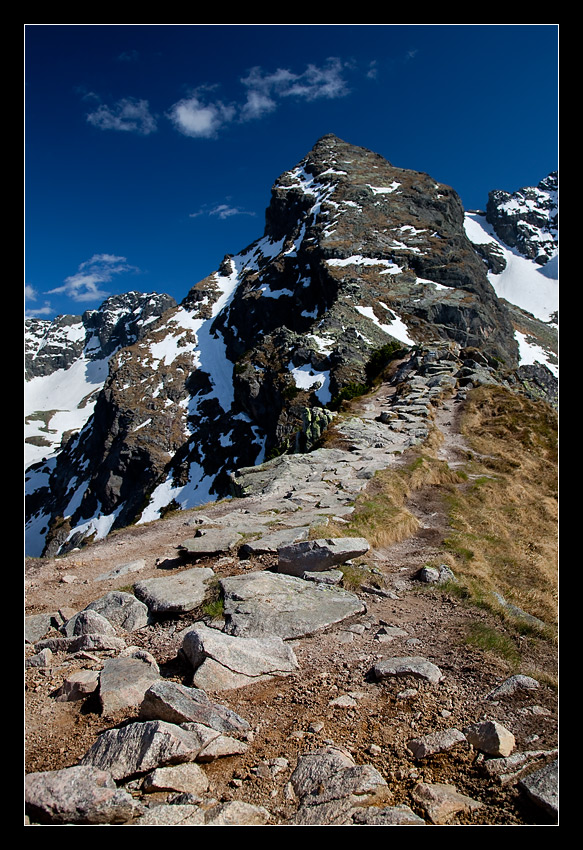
[(357, 256), (66, 364), (528, 219)]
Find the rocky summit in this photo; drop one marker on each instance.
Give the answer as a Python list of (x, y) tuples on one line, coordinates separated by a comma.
[(331, 595)]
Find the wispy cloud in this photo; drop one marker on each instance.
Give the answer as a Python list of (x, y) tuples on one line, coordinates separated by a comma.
[(127, 115), (88, 283), (128, 56), (30, 294), (222, 211), (264, 89), (200, 116)]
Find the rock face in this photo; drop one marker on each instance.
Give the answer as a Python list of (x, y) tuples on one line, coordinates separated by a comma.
[(528, 218), (359, 259)]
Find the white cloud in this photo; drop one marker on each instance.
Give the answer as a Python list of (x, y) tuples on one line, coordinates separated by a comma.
[(313, 83), (127, 115), (30, 294), (222, 211), (128, 56), (198, 116), (193, 117), (87, 283), (373, 70)]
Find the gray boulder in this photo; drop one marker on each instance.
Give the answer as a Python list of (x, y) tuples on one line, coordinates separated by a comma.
[(211, 541), (314, 555), (436, 742), (329, 784), (443, 802), (122, 610), (513, 685), (414, 666), (175, 594), (175, 703), (542, 787), (78, 795), (87, 622), (263, 603), (273, 541), (187, 778), (123, 683), (36, 626), (141, 747), (223, 661)]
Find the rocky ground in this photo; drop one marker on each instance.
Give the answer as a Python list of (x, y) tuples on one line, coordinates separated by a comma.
[(333, 698)]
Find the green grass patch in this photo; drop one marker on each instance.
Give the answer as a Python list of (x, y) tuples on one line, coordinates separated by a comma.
[(215, 609), (490, 640)]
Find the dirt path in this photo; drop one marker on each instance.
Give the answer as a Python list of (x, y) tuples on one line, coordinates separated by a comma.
[(292, 715)]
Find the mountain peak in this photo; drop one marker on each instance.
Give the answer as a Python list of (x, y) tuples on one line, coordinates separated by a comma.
[(358, 257)]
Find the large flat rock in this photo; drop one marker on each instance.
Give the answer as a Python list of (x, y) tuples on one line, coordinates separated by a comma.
[(175, 594), (141, 747), (271, 542), (211, 541), (175, 703), (265, 603), (78, 795)]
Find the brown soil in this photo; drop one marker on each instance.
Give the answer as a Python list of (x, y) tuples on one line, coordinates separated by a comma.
[(292, 715)]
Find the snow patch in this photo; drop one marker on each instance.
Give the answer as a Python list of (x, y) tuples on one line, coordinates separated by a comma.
[(396, 327), (523, 282), (358, 260), (529, 353), (384, 190), (306, 378)]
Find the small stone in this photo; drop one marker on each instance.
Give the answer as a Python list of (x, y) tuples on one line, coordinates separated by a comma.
[(512, 685), (408, 666), (491, 737), (78, 685), (437, 742), (188, 778), (442, 802)]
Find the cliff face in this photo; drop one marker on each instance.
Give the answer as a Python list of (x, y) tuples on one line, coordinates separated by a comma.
[(356, 255), (527, 219)]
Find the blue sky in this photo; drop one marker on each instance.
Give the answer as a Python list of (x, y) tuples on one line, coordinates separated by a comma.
[(150, 150)]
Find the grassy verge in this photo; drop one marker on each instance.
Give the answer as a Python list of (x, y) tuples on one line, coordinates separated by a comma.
[(381, 514), (504, 520)]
